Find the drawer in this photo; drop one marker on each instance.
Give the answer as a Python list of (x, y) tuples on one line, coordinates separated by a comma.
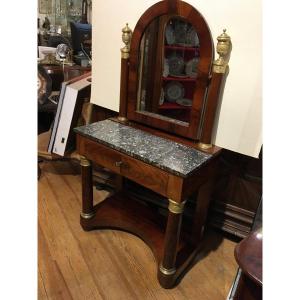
[(122, 164), (101, 155), (144, 174)]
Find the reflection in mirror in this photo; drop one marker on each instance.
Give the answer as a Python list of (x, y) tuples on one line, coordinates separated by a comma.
[(168, 61)]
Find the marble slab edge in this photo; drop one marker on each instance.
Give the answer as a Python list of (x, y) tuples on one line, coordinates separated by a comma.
[(77, 130)]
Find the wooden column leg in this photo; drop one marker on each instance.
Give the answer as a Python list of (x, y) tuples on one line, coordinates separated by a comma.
[(203, 199), (167, 268), (87, 189)]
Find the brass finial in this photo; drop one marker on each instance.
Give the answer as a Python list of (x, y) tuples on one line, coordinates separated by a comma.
[(126, 38), (224, 37), (223, 48)]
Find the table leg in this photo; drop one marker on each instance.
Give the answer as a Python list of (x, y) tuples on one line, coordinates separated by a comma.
[(167, 268), (87, 189), (203, 199)]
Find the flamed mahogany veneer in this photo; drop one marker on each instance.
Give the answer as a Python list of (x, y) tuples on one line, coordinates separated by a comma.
[(154, 150), (170, 169)]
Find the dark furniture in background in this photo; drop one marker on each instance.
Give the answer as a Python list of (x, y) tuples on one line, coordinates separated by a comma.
[(248, 254), (46, 108), (158, 152), (55, 40), (80, 32), (237, 193), (56, 74)]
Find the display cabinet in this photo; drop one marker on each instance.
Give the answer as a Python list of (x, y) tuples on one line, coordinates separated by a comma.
[(65, 12), (61, 12)]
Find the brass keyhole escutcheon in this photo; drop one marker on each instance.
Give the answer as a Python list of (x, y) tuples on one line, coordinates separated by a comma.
[(118, 163)]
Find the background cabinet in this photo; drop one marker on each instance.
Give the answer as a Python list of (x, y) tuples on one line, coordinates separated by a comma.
[(237, 193), (65, 12), (61, 12)]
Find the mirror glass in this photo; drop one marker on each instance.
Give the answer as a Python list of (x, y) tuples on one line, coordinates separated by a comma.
[(168, 62)]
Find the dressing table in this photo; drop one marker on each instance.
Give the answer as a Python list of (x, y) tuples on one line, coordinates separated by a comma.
[(162, 137)]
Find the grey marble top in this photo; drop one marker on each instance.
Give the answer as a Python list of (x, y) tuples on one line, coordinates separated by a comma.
[(162, 153)]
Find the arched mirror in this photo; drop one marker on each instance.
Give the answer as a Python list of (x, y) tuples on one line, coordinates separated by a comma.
[(168, 68), (170, 64)]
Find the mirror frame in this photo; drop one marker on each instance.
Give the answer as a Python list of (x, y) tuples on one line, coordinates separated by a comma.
[(188, 12)]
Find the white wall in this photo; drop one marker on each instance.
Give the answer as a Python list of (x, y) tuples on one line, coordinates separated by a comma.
[(239, 125)]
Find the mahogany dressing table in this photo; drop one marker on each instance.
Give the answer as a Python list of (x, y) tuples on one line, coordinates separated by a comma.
[(162, 137)]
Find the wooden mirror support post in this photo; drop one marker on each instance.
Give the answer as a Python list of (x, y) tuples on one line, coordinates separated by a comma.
[(219, 73), (126, 38)]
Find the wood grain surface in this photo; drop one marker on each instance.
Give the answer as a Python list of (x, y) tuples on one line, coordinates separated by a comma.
[(110, 264)]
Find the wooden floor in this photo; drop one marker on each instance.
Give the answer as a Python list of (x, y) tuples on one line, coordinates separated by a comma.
[(108, 264)]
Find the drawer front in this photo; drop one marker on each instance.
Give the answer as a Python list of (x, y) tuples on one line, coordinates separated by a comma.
[(144, 174), (101, 155), (136, 170)]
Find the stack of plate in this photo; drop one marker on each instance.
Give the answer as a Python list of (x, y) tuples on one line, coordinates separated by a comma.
[(192, 37), (174, 91), (170, 36), (176, 65), (181, 34), (191, 67)]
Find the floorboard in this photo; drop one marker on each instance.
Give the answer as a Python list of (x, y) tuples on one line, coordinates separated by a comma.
[(109, 264)]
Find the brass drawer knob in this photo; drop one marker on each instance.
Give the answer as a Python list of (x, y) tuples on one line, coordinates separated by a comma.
[(118, 163)]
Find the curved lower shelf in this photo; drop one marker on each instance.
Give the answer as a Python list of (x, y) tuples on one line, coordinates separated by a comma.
[(126, 214), (117, 212)]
